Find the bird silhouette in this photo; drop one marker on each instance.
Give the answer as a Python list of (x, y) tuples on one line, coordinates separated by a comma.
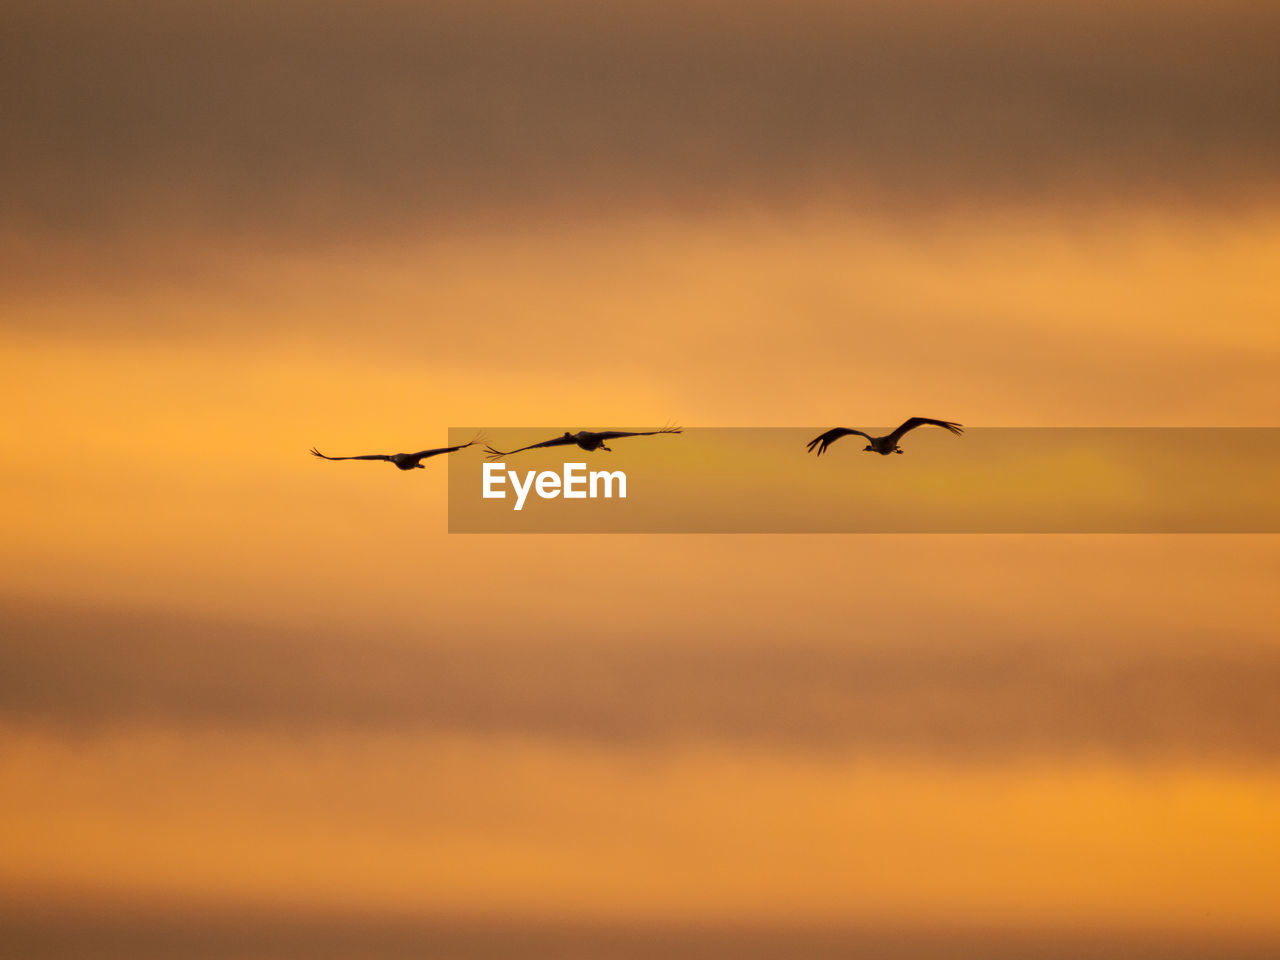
[(405, 461), (882, 445), (585, 439)]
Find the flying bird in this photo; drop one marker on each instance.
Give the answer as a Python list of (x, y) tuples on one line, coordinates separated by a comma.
[(586, 440), (882, 445), (405, 461)]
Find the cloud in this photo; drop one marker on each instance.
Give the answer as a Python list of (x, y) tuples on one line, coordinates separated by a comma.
[(327, 117), (142, 931), (986, 689)]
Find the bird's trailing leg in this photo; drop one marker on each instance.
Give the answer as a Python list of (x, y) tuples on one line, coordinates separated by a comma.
[(897, 451), (605, 449)]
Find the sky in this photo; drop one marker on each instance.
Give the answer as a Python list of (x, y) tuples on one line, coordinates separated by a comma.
[(250, 697)]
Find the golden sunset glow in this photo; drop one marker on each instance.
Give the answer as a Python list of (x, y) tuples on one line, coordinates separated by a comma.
[(244, 689)]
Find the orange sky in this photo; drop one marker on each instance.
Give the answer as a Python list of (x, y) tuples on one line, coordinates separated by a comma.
[(237, 679)]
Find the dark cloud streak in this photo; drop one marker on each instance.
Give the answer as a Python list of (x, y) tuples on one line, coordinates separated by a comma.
[(991, 692), (395, 115), (68, 929)]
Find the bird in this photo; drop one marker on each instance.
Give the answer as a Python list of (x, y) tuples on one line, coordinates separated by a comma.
[(404, 461), (585, 439), (882, 445)]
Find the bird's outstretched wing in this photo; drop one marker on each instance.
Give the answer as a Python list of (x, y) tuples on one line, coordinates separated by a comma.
[(825, 440), (615, 434), (368, 456), (424, 454), (924, 421), (492, 454)]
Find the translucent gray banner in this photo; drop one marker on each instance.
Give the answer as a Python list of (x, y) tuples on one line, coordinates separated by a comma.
[(764, 480)]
